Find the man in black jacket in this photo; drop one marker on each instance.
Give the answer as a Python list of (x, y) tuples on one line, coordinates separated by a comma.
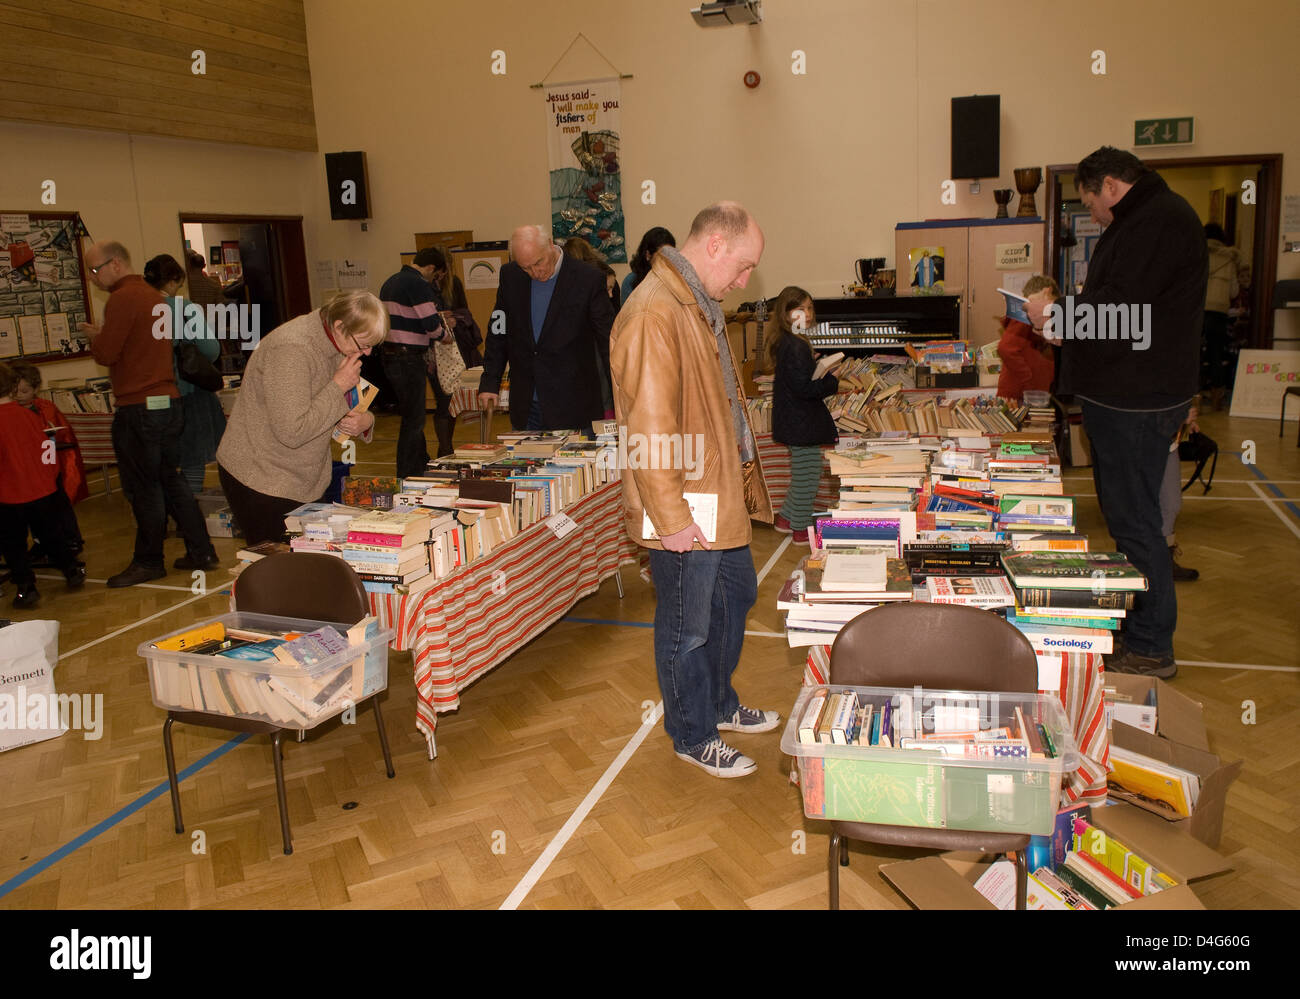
[(1130, 351), (551, 321)]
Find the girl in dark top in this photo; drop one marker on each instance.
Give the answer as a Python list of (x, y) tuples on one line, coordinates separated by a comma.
[(800, 419), (451, 299)]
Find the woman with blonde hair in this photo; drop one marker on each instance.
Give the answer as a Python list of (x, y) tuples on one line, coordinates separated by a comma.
[(275, 454)]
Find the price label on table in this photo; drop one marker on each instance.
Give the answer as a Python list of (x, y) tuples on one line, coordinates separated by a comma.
[(561, 524)]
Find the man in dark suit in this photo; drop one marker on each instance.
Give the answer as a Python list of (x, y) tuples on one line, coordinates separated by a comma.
[(551, 321)]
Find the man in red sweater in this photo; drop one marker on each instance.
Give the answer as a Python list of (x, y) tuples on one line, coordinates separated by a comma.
[(29, 495), (147, 423)]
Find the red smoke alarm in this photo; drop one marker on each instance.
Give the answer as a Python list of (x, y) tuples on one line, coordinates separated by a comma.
[(752, 79)]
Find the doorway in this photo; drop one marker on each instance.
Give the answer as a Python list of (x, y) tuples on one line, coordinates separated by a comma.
[(258, 260), (1213, 186)]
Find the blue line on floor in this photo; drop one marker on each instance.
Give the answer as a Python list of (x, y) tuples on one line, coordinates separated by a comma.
[(604, 620), (1259, 474), (22, 877)]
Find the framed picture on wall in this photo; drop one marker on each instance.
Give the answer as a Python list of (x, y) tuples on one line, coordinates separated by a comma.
[(230, 251), (214, 254)]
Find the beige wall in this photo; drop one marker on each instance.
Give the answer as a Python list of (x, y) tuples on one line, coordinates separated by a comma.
[(132, 189), (828, 161)]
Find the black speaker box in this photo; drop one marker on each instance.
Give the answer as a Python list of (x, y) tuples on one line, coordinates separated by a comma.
[(975, 136), (345, 175)]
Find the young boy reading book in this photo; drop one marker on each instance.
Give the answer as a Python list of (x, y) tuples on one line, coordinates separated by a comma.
[(30, 496), (1027, 362)]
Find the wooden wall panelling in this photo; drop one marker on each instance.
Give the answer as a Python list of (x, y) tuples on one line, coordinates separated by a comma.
[(126, 65)]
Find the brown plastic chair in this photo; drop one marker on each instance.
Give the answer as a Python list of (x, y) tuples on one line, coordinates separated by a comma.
[(938, 647), (304, 585)]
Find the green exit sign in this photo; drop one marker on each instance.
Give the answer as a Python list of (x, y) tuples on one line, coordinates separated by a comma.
[(1162, 132)]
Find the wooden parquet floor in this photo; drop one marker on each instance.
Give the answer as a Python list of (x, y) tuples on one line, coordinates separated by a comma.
[(79, 828)]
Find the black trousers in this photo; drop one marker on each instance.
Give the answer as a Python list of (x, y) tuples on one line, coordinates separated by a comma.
[(45, 518), (147, 445), (258, 516), (407, 372)]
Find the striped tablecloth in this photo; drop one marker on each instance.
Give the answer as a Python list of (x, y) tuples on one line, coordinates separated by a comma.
[(465, 624), (775, 459), (465, 400), (1080, 692)]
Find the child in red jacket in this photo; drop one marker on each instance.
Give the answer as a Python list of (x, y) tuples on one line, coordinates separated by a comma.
[(72, 469), (1027, 362), (30, 496)]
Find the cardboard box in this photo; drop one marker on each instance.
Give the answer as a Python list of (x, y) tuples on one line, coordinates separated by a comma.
[(1181, 740), (1080, 450), (947, 881)]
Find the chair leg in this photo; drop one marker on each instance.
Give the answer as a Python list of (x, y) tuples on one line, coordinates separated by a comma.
[(1022, 879), (618, 581), (833, 870), (383, 739), (277, 757), (171, 773)]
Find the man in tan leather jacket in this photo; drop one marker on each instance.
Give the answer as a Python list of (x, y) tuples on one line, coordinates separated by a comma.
[(679, 403)]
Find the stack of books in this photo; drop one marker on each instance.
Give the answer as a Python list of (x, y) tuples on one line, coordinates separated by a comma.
[(1171, 788), (71, 395), (860, 577), (880, 473), (1071, 602), (388, 549), (1026, 469)]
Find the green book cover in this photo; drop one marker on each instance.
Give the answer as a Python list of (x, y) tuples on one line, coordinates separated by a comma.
[(890, 793), (1012, 801), (1073, 570)]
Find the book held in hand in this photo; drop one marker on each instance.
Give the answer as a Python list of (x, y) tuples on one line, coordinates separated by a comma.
[(704, 511)]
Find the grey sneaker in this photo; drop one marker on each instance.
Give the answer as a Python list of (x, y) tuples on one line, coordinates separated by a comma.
[(720, 760), (750, 720), (1131, 662)]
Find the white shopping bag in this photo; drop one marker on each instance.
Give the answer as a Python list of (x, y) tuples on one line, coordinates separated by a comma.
[(29, 705)]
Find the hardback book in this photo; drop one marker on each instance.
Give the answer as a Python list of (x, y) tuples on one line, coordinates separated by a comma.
[(1098, 572), (481, 452)]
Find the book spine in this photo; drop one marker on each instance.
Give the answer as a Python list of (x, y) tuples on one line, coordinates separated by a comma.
[(383, 540), (1042, 596)]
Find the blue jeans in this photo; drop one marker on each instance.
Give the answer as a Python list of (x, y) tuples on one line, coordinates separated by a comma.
[(1130, 451), (704, 597)]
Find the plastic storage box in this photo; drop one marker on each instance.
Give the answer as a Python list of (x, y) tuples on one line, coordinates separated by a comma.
[(921, 788), (267, 690)]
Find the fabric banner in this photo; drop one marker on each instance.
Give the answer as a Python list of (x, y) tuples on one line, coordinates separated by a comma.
[(586, 183)]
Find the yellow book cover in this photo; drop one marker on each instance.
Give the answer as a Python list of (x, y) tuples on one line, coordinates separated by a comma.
[(1131, 776), (215, 631)]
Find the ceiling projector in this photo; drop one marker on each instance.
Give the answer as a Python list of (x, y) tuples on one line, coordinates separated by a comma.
[(719, 15)]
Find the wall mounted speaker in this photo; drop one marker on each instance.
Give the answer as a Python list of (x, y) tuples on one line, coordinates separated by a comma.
[(345, 175), (975, 136)]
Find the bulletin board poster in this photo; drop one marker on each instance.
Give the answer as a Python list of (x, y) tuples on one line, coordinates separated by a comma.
[(1263, 376), (586, 179), (43, 293), (926, 263)]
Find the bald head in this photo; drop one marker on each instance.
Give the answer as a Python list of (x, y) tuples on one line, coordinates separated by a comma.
[(724, 247), (532, 249), (108, 262)]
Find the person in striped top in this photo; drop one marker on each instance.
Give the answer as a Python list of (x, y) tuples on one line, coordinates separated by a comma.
[(414, 322)]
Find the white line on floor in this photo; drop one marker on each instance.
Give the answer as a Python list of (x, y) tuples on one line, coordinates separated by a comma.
[(766, 634), (1274, 669), (553, 848), (114, 634), (137, 586), (1290, 524)]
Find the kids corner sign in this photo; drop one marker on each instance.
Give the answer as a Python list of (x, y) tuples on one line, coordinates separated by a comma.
[(1263, 376)]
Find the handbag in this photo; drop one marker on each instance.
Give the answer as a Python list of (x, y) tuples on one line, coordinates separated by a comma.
[(446, 359), (195, 368), (1200, 449)]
